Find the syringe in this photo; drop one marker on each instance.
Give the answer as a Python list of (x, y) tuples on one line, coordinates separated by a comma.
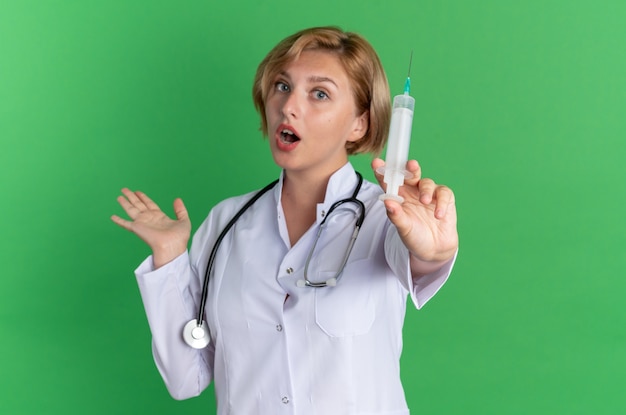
[(399, 138)]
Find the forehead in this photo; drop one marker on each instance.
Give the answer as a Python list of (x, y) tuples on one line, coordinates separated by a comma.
[(317, 64)]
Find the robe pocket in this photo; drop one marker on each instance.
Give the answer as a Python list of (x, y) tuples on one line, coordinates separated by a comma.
[(347, 309)]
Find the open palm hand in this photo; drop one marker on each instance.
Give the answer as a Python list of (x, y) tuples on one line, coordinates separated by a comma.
[(166, 237)]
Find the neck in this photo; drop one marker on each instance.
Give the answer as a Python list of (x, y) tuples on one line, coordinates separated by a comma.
[(304, 190), (300, 196)]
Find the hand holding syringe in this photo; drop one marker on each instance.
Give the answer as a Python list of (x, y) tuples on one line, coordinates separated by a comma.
[(397, 153)]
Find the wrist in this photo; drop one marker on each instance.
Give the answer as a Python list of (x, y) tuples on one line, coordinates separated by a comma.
[(164, 254), (421, 266)]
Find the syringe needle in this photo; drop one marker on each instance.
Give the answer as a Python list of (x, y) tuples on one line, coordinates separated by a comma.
[(407, 84)]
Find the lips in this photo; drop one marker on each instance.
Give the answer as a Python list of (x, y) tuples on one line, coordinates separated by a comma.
[(287, 138)]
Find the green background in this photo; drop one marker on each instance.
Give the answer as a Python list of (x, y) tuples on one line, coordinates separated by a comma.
[(520, 109)]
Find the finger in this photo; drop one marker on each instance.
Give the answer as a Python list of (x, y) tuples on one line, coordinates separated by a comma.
[(393, 208), (133, 199), (130, 209), (444, 198), (121, 222), (147, 201), (180, 210), (397, 215), (427, 189), (413, 167)]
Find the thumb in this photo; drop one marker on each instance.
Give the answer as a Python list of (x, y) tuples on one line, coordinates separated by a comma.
[(397, 215), (180, 210)]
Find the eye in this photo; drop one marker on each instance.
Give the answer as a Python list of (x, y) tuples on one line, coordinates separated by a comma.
[(280, 86), (321, 95)]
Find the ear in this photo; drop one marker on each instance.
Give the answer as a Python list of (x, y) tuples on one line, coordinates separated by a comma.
[(361, 125)]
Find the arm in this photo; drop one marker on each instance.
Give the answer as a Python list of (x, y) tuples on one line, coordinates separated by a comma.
[(168, 295), (168, 287)]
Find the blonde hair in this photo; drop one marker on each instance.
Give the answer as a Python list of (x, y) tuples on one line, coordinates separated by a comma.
[(362, 65)]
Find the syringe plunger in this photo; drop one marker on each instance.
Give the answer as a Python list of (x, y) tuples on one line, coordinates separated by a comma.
[(398, 146)]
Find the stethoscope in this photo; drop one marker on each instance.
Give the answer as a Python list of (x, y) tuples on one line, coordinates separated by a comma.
[(196, 333)]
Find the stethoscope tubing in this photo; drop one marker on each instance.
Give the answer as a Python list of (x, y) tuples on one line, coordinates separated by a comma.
[(207, 272), (194, 332)]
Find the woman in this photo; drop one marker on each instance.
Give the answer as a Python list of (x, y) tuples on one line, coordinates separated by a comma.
[(277, 344)]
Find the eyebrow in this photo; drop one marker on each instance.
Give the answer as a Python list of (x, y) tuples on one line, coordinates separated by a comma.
[(312, 79), (317, 79)]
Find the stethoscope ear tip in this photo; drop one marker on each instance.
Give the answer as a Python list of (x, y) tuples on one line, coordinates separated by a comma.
[(301, 283), (196, 335), (331, 282)]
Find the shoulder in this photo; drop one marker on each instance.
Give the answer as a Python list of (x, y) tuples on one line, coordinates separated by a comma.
[(225, 210), (220, 216), (371, 188)]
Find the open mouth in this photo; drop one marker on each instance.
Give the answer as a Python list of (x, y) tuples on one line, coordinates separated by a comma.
[(288, 137)]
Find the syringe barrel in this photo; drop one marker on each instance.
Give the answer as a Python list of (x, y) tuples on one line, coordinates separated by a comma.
[(398, 142), (404, 101)]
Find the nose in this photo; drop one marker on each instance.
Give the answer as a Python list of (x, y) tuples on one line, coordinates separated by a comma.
[(291, 107)]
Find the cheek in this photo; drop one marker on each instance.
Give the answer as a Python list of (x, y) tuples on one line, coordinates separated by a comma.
[(329, 126), (346, 123), (272, 102), (271, 111)]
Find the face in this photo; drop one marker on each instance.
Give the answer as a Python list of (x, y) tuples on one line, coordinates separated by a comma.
[(311, 115)]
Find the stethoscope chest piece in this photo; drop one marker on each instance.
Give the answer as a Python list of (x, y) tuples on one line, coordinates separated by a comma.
[(196, 335)]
